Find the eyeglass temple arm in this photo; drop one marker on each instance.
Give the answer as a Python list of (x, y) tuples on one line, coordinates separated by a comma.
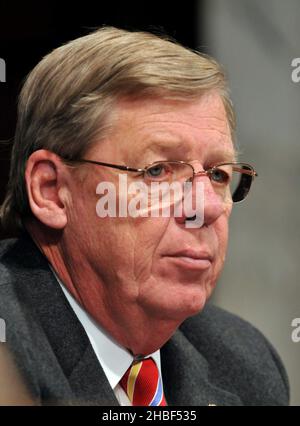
[(244, 171), (114, 166)]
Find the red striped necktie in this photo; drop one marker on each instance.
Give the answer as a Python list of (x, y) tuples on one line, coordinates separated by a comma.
[(143, 385)]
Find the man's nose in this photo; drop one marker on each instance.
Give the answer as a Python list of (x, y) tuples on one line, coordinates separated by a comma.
[(212, 204)]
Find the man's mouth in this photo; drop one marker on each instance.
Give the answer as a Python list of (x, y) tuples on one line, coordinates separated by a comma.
[(191, 259)]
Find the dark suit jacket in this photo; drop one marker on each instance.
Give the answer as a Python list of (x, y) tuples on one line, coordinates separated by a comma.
[(213, 358)]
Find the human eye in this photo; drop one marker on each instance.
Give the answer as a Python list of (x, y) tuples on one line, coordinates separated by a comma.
[(220, 175), (159, 172)]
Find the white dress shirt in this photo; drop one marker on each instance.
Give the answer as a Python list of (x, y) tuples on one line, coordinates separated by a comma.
[(114, 359)]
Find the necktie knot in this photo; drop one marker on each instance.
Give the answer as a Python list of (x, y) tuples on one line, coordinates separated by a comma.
[(142, 383)]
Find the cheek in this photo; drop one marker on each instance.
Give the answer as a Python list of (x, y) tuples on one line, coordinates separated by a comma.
[(221, 230), (149, 233), (124, 247)]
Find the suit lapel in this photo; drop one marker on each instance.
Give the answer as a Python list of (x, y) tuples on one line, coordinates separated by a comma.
[(89, 382), (186, 376)]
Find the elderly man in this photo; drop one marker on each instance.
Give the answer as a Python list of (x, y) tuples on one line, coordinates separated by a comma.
[(108, 309)]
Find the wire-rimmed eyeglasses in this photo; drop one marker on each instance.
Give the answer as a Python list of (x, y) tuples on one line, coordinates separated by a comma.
[(230, 180)]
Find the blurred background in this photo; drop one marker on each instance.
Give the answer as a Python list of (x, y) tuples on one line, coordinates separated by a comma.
[(256, 42)]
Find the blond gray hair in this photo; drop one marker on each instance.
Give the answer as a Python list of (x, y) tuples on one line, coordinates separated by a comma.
[(67, 99)]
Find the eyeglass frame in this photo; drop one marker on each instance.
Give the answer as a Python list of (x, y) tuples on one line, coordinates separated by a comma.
[(207, 172)]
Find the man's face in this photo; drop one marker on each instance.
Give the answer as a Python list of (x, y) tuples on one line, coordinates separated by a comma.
[(155, 264)]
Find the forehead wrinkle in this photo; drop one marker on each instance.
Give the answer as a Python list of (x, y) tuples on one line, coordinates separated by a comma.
[(177, 132), (185, 143), (193, 124), (206, 127)]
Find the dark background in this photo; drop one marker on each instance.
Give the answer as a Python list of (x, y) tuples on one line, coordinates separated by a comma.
[(31, 29)]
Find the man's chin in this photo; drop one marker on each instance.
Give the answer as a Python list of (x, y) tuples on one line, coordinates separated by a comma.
[(182, 305), (193, 307)]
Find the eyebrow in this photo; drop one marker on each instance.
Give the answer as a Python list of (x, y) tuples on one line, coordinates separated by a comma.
[(162, 146), (222, 156)]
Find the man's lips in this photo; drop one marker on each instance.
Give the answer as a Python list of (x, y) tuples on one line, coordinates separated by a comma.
[(191, 259)]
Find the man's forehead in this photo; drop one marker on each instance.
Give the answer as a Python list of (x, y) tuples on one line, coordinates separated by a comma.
[(207, 112), (175, 129), (208, 109), (185, 149)]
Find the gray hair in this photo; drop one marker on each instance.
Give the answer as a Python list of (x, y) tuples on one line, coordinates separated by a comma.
[(67, 99)]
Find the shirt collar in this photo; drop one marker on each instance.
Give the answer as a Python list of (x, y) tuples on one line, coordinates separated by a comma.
[(114, 359)]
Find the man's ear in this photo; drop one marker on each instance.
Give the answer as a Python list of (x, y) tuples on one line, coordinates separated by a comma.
[(44, 180)]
